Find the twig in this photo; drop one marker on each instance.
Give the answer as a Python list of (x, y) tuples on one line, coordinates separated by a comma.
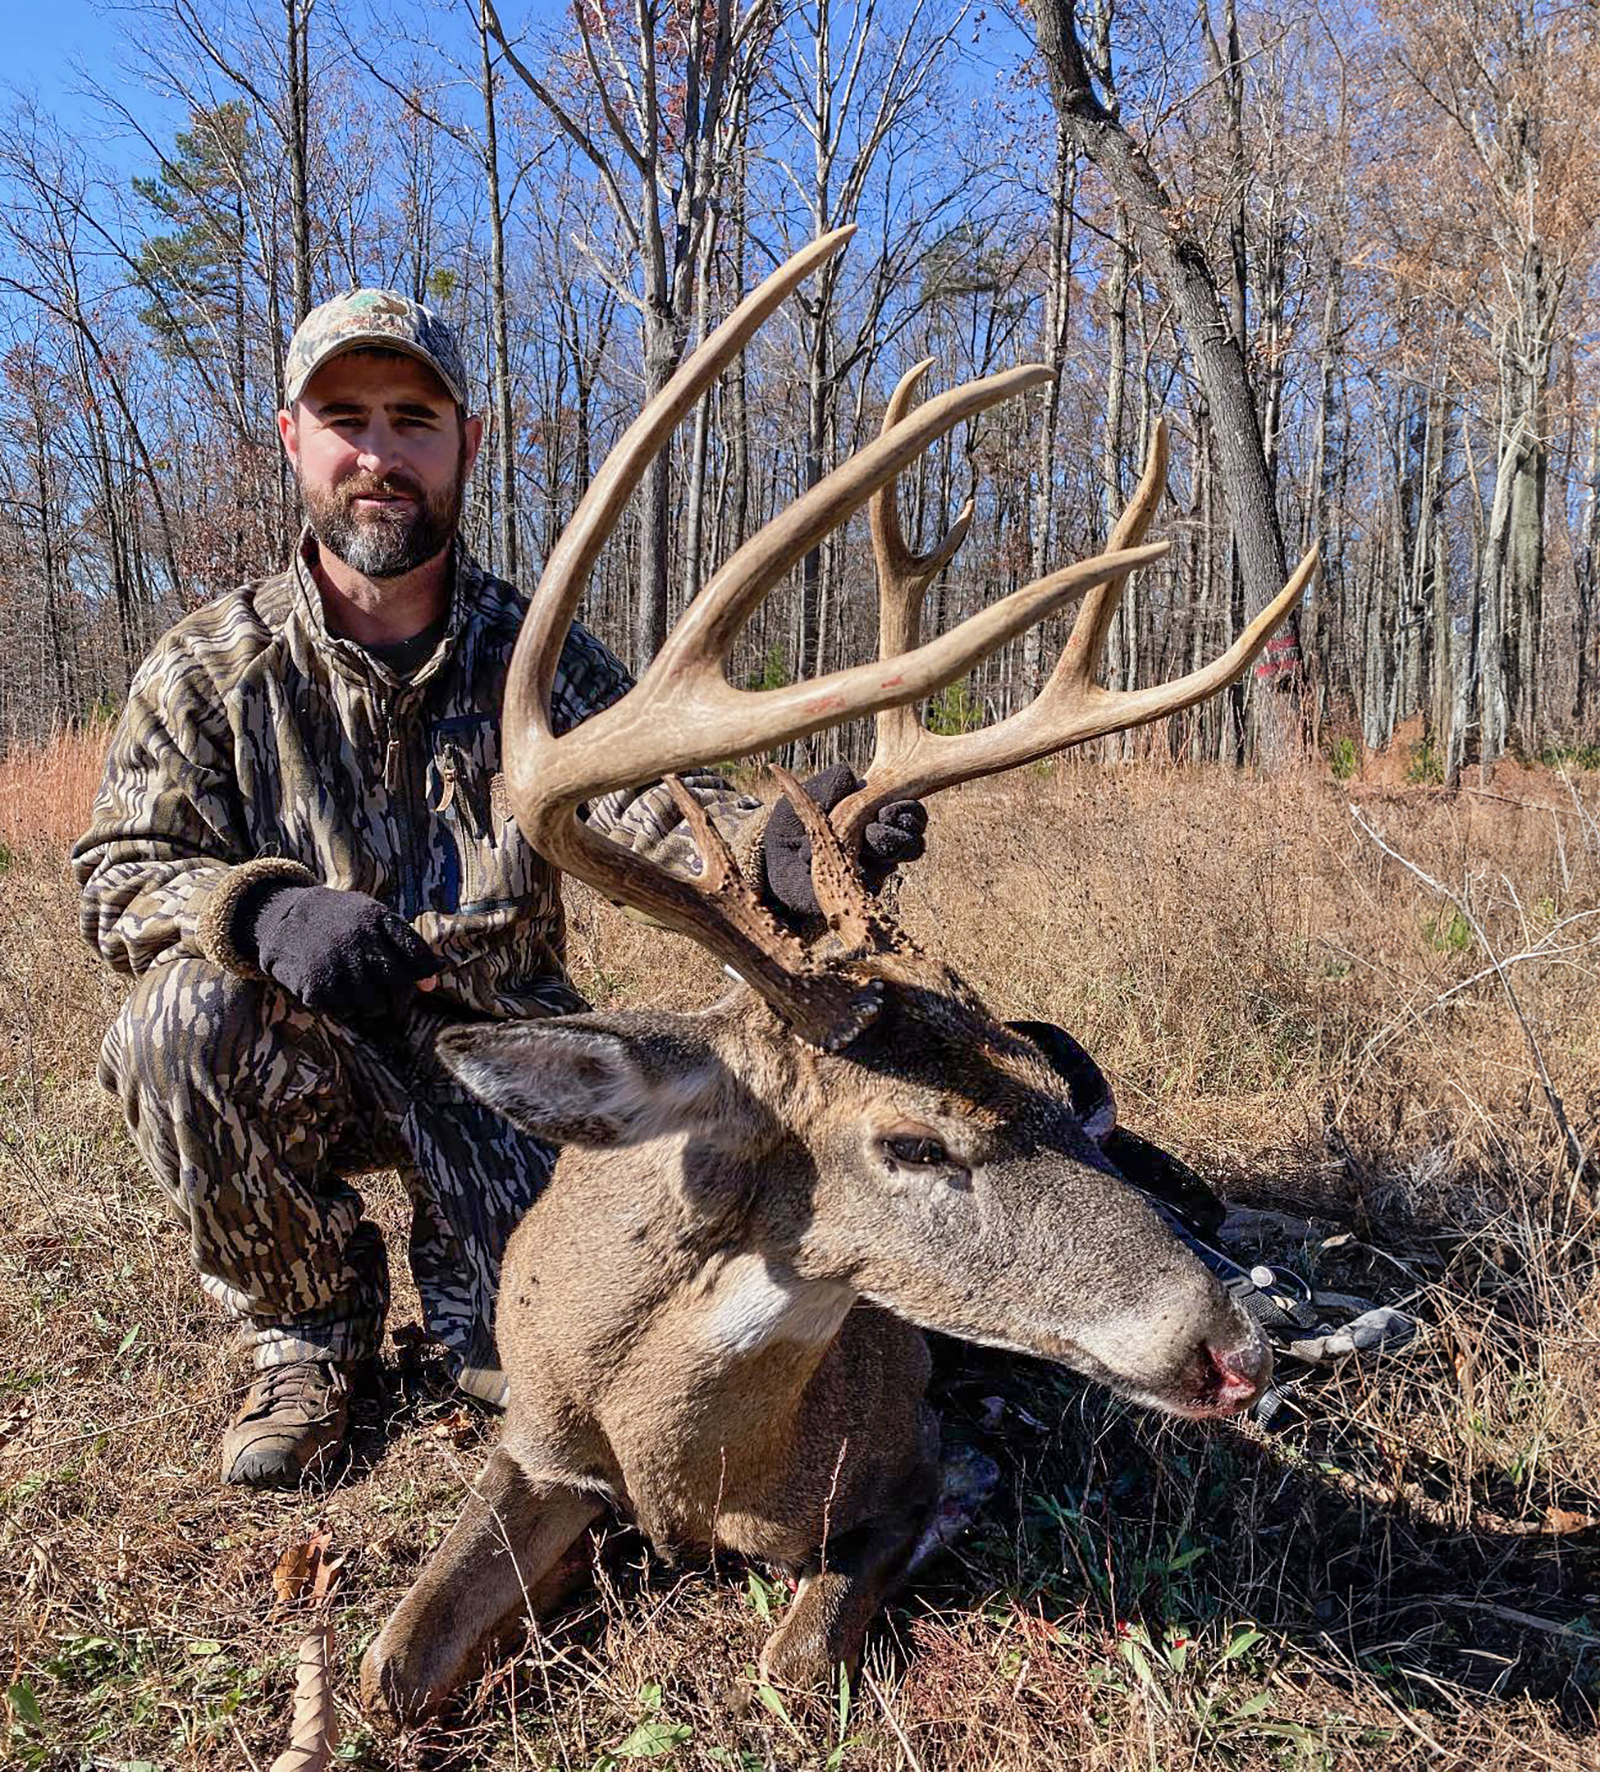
[(244, 1747), (114, 1427), (1539, 951), (1529, 1620), (1412, 1012), (1577, 1157), (891, 1719), (1395, 1495), (1588, 825), (1509, 800), (833, 1490)]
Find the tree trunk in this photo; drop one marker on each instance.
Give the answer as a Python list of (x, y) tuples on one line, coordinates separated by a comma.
[(509, 563), (1328, 484), (297, 133), (1119, 650), (662, 350), (1585, 569), (700, 445), (1057, 314), (1177, 258)]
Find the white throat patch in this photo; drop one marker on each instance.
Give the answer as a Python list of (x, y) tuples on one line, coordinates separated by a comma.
[(749, 1303)]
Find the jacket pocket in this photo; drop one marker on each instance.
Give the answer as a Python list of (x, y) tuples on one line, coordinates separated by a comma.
[(479, 854)]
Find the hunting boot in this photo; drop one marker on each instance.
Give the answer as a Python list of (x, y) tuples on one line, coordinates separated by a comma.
[(291, 1424)]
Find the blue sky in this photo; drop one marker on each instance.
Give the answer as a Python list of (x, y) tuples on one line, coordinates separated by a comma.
[(58, 48), (45, 38)]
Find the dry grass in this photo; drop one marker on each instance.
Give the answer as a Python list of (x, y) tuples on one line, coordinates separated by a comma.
[(46, 791), (1406, 1581)]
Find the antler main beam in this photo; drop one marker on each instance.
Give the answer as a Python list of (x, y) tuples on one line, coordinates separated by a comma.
[(683, 710), (910, 762)]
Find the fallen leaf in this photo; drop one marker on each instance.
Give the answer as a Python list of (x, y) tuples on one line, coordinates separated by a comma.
[(458, 1427), (1562, 1520), (44, 1567), (306, 1569), (314, 1729), (328, 1571), (14, 1421)]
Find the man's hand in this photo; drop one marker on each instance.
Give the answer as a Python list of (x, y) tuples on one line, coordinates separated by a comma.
[(894, 836), (341, 953)]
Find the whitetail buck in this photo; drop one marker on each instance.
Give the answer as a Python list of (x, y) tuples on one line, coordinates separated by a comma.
[(711, 1319)]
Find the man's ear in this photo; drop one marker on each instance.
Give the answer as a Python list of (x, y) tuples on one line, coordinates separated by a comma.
[(288, 437), (593, 1080)]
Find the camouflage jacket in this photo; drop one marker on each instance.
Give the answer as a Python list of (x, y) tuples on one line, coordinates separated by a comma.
[(256, 742)]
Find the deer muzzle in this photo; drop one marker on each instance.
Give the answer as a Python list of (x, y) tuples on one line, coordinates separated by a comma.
[(1228, 1379)]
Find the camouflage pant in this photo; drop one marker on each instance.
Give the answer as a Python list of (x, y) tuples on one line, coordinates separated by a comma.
[(252, 1112)]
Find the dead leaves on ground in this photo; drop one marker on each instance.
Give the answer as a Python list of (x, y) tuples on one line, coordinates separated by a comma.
[(15, 1420), (305, 1572), (314, 1729), (460, 1427)]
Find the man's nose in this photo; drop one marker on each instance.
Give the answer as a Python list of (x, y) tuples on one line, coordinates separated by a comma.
[(378, 449)]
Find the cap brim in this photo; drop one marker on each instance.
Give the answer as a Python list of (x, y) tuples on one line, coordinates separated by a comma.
[(383, 341)]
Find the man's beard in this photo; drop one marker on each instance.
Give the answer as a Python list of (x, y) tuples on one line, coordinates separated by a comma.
[(384, 544)]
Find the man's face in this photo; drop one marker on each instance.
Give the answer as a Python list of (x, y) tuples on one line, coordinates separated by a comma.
[(381, 457)]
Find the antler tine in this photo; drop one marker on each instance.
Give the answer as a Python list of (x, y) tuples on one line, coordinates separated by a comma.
[(843, 900), (684, 710), (1072, 706), (713, 621), (572, 559), (904, 577), (1080, 658)]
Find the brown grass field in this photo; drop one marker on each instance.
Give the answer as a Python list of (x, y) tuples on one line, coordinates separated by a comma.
[(1410, 1578)]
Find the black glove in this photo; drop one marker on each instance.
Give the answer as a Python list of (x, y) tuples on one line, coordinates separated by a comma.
[(342, 953), (894, 836)]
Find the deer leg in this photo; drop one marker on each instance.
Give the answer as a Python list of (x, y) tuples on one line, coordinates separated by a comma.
[(500, 1562), (826, 1626)]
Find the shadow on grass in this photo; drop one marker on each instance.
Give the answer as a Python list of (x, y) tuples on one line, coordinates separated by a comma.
[(1128, 1524), (1180, 1565), (414, 1394)]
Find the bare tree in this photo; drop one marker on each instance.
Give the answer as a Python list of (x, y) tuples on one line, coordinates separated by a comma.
[(1176, 256), (668, 87)]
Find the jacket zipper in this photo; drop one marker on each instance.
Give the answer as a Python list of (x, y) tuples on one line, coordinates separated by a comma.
[(395, 774)]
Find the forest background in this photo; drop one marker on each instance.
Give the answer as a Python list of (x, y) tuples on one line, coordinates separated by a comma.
[(1397, 209)]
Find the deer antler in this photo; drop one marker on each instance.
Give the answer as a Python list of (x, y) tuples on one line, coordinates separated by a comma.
[(910, 762), (683, 710)]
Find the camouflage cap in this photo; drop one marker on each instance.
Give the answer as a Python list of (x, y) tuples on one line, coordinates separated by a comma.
[(381, 317)]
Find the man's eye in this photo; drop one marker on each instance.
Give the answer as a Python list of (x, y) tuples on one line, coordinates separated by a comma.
[(926, 1153)]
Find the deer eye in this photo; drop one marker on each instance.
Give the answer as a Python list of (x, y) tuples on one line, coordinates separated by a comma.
[(918, 1151)]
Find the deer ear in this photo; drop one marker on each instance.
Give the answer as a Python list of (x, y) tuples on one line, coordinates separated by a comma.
[(586, 1080)]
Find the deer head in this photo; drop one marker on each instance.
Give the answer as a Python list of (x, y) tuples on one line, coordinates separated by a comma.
[(871, 1129)]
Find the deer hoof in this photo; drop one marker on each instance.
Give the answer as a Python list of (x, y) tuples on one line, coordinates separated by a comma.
[(799, 1655), (392, 1694)]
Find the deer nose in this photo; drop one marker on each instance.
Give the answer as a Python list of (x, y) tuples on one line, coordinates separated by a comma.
[(1240, 1374)]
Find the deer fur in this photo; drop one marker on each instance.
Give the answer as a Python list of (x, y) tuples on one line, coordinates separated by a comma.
[(711, 1318)]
